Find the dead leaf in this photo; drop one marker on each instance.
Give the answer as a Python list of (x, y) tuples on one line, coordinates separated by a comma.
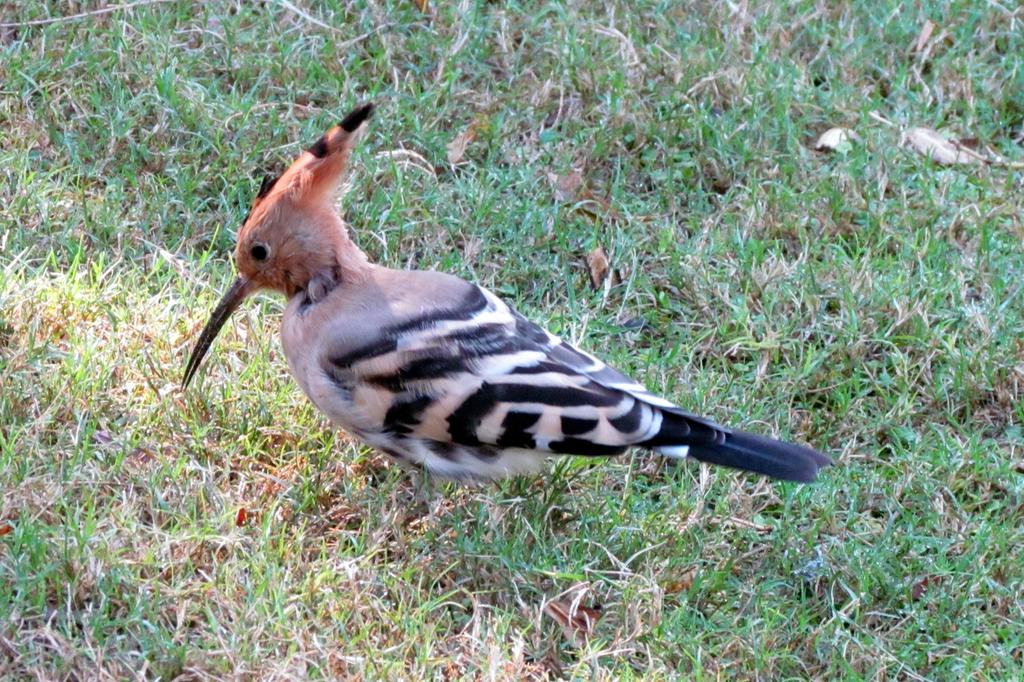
[(422, 5), (571, 189), (634, 324), (8, 34), (924, 36), (457, 147), (599, 266), (566, 185), (683, 582), (932, 144), (577, 621), (102, 437), (241, 517), (836, 140), (5, 529), (140, 456), (715, 179), (550, 663), (471, 249), (741, 523), (920, 588)]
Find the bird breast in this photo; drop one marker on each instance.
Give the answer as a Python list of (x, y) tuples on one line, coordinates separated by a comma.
[(306, 334)]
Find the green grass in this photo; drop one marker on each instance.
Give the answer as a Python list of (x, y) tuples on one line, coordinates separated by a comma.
[(870, 303)]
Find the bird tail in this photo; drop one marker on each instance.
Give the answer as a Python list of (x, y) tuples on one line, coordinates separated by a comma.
[(682, 436)]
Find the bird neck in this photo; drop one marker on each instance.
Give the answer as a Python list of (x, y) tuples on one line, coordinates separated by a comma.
[(351, 259)]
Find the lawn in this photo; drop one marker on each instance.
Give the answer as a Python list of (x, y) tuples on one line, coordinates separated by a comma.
[(868, 301)]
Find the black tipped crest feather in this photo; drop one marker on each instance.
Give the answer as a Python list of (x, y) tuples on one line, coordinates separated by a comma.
[(356, 117), (319, 148), (268, 184)]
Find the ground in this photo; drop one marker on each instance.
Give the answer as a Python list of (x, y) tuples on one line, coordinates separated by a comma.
[(867, 301)]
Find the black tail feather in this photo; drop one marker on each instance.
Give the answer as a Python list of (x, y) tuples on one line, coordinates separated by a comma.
[(739, 449), (761, 455)]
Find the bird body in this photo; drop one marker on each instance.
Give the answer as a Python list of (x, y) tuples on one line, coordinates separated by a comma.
[(441, 373)]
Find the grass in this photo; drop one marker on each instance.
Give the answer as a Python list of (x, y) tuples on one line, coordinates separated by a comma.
[(868, 302)]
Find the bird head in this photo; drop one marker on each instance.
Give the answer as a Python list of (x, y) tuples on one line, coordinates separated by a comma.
[(293, 238)]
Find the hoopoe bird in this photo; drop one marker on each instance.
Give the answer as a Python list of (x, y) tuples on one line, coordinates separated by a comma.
[(439, 373)]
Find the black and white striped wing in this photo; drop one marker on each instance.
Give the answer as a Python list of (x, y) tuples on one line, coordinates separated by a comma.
[(633, 415), (479, 376)]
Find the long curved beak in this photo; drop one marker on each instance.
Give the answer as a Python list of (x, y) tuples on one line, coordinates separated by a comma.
[(240, 288)]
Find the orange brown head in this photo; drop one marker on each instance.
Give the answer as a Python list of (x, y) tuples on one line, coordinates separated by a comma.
[(293, 239)]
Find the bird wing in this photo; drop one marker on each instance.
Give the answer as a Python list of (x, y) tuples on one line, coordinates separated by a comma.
[(477, 373)]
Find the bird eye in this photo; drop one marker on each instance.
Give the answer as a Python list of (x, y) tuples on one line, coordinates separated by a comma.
[(259, 251)]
